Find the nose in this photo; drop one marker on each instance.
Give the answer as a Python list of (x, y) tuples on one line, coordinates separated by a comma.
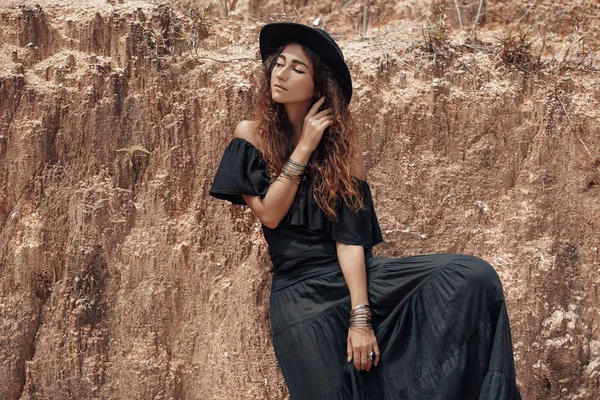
[(281, 74)]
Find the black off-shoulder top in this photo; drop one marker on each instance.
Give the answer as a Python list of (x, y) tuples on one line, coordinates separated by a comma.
[(305, 235)]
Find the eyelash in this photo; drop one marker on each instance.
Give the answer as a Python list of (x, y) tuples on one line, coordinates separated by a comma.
[(300, 72)]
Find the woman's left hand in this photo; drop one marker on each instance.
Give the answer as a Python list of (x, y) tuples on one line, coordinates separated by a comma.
[(361, 340)]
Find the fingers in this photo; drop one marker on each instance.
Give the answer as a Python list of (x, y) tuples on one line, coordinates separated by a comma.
[(375, 361), (324, 113), (349, 350), (376, 348), (356, 354), (313, 114), (325, 125), (359, 360), (359, 351), (361, 356), (313, 110)]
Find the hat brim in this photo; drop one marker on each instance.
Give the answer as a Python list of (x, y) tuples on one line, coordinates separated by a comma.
[(274, 35)]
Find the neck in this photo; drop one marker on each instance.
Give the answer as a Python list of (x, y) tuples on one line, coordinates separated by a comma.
[(296, 112)]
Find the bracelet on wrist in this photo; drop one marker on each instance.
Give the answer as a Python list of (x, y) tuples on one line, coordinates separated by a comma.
[(360, 316)]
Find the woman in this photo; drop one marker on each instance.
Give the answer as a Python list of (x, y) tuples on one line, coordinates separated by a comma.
[(347, 325)]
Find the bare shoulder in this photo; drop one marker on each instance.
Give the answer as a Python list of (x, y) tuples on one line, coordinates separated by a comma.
[(245, 129)]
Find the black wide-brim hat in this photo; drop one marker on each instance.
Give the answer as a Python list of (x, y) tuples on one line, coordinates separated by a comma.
[(276, 34)]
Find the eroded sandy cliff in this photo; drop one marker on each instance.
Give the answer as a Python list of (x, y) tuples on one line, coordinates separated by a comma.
[(121, 278)]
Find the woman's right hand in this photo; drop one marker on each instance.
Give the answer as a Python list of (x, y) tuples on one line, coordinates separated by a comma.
[(315, 124)]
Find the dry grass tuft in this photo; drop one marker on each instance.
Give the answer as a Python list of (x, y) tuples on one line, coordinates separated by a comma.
[(580, 53), (435, 37), (517, 49)]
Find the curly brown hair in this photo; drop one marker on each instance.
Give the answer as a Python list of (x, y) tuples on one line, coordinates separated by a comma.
[(330, 164)]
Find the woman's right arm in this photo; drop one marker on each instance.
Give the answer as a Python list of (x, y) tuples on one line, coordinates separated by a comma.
[(280, 195), (271, 209)]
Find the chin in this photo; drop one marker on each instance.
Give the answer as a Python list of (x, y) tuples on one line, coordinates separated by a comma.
[(274, 98)]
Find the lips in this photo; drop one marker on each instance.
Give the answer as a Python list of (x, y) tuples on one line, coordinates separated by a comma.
[(279, 86)]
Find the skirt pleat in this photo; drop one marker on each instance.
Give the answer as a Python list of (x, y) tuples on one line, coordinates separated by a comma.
[(440, 321)]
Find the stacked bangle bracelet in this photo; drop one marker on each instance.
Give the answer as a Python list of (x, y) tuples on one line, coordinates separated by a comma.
[(361, 315), (292, 171)]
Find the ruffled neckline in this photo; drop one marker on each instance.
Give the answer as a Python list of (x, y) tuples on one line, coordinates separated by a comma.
[(243, 171), (258, 152)]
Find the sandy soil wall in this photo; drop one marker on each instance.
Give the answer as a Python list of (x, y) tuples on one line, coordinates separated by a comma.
[(121, 278)]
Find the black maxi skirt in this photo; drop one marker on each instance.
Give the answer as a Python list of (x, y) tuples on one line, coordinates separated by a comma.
[(440, 321)]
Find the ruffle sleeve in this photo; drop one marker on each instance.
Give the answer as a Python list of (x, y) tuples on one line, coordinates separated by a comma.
[(355, 228), (241, 171), (360, 227)]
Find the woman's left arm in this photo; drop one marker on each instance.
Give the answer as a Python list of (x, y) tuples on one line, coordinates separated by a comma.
[(352, 257), (361, 340), (352, 261)]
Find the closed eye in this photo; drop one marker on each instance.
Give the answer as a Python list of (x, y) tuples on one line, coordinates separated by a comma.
[(281, 65)]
